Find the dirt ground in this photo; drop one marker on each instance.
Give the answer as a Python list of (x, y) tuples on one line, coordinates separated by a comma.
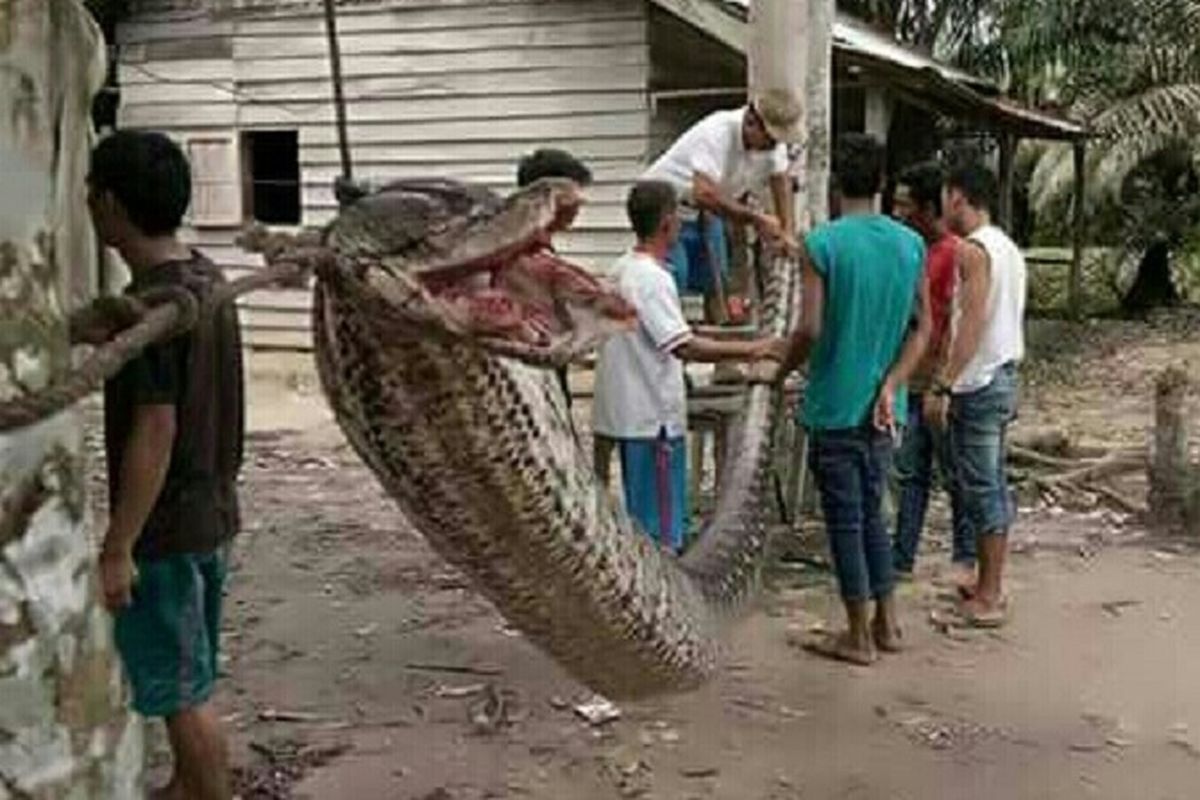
[(358, 661)]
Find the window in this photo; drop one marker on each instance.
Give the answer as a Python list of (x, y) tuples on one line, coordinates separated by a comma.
[(216, 187), (272, 169)]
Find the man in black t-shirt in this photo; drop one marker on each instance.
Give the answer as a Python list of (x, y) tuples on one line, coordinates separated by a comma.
[(173, 424)]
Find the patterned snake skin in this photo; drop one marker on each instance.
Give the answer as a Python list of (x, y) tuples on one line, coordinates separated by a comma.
[(479, 453)]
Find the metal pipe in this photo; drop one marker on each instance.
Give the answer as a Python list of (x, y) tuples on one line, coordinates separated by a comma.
[(339, 99)]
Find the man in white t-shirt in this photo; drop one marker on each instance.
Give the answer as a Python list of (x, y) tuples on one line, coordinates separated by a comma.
[(975, 390), (640, 401), (713, 166)]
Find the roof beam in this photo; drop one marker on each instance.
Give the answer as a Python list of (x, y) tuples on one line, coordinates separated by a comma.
[(708, 17)]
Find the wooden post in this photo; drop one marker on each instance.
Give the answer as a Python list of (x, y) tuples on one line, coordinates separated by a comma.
[(1008, 152), (1075, 279), (339, 99), (1169, 468)]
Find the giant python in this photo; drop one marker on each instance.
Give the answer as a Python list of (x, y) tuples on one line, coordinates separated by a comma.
[(436, 309)]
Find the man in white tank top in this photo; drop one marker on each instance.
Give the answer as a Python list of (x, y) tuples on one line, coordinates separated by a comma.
[(975, 390)]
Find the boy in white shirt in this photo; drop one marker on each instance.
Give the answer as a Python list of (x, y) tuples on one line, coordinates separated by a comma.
[(641, 400)]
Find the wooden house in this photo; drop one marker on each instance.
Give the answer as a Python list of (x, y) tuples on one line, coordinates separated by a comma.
[(464, 88)]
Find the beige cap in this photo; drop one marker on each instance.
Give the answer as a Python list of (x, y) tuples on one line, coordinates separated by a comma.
[(780, 111)]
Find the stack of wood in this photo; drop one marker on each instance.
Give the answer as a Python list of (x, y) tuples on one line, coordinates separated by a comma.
[(1059, 467)]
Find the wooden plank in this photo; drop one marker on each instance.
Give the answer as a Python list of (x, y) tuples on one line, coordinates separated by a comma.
[(296, 301), (483, 130), (500, 174), (277, 340), (508, 37), (196, 116), (249, 68), (320, 194), (462, 18), (196, 70), (497, 107), (421, 16), (180, 93), (540, 80), (267, 319), (436, 156)]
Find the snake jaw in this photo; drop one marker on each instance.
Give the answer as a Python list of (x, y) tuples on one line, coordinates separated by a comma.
[(487, 275)]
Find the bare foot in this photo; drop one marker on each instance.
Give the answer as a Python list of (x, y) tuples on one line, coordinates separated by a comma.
[(841, 647), (888, 638)]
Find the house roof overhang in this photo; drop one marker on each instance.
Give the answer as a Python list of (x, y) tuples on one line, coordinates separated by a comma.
[(912, 75)]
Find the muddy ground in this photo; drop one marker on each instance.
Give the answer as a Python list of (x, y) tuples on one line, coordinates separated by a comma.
[(360, 666)]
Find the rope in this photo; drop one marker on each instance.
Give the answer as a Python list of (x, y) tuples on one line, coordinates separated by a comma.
[(175, 312)]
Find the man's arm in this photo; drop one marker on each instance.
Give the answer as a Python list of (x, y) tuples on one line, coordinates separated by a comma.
[(785, 207), (910, 356), (708, 350), (144, 464), (975, 281), (917, 340), (707, 194), (811, 315)]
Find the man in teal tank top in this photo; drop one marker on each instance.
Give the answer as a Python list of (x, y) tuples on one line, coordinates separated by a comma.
[(865, 323)]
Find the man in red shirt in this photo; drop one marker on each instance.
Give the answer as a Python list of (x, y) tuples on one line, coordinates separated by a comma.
[(918, 203)]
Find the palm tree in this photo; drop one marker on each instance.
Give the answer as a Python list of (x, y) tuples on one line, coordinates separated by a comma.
[(1131, 70)]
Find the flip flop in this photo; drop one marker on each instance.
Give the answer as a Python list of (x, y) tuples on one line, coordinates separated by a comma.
[(833, 647), (984, 620)]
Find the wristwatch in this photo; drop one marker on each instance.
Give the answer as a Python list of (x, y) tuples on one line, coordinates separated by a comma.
[(940, 389)]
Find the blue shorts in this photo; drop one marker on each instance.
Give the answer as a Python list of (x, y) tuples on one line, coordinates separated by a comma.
[(654, 472), (689, 255), (979, 421), (168, 636)]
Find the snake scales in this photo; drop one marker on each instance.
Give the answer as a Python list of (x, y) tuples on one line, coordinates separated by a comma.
[(477, 448)]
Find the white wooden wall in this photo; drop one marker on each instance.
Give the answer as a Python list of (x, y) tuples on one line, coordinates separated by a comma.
[(457, 88)]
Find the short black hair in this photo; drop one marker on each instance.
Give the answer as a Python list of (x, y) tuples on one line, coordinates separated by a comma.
[(648, 203), (858, 162), (149, 176), (924, 182), (549, 162), (977, 183)]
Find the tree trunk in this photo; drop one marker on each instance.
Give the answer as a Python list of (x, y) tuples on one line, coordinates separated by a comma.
[(64, 728), (818, 93), (1170, 472)]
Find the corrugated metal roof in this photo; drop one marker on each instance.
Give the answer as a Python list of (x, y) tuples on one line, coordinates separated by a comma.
[(919, 77)]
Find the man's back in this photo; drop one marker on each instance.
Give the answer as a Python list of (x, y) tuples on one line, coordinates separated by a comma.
[(200, 373), (870, 267)]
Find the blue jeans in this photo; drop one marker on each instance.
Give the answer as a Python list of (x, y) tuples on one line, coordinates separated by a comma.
[(922, 447), (850, 467), (689, 256), (979, 421)]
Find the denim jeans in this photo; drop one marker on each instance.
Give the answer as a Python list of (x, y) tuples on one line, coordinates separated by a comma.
[(851, 467), (923, 447), (978, 425), (689, 256)]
